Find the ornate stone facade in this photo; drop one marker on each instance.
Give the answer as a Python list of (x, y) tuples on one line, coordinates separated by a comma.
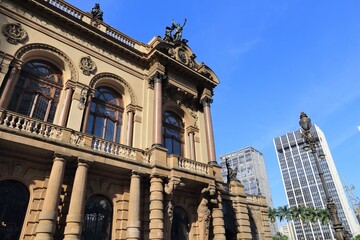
[(90, 151)]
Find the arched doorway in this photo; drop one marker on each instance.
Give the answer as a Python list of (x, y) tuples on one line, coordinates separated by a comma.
[(14, 199), (97, 219), (180, 225)]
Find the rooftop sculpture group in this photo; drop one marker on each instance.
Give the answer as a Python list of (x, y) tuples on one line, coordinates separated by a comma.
[(177, 35)]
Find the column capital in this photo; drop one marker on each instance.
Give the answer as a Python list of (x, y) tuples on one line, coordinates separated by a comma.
[(206, 101), (157, 77), (83, 162), (131, 108), (70, 84), (192, 129), (59, 157)]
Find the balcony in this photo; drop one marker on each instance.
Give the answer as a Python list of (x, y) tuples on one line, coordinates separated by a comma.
[(18, 124)]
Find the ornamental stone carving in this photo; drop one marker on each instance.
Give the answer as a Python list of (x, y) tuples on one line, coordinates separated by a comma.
[(15, 33), (87, 65)]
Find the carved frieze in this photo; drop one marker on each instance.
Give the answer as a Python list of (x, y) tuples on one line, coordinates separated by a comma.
[(87, 65), (15, 33)]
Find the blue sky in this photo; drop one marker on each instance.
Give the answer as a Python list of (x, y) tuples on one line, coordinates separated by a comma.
[(274, 59)]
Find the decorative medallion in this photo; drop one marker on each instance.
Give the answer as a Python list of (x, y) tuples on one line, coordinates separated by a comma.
[(87, 65), (182, 56), (14, 32)]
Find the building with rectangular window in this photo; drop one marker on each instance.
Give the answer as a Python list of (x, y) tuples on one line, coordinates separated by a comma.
[(105, 137), (303, 185), (251, 172)]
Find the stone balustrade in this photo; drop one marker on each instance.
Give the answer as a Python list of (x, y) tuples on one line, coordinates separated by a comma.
[(43, 130), (193, 166), (86, 18), (112, 148), (64, 6), (14, 121)]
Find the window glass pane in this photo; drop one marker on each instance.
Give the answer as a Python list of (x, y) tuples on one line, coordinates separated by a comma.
[(40, 108), (106, 105), (177, 148), (26, 103), (52, 112), (90, 124), (168, 145), (118, 130), (172, 133), (40, 78), (109, 131), (99, 126)]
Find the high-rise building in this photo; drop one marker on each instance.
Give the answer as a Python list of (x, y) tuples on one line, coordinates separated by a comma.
[(287, 230), (303, 185), (251, 172)]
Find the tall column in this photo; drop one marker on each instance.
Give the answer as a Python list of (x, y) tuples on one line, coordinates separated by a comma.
[(75, 216), (67, 103), (191, 133), (130, 126), (206, 101), (10, 84), (157, 78), (133, 227), (156, 208), (218, 220), (47, 219), (87, 110)]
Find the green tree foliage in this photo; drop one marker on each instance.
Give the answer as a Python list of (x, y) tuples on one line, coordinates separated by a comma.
[(307, 214), (357, 237)]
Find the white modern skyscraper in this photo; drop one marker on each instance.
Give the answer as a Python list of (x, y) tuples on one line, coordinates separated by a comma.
[(303, 186), (251, 172)]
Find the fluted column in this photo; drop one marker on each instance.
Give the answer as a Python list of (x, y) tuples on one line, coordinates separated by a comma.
[(218, 220), (67, 103), (206, 101), (157, 78), (130, 126), (47, 219), (10, 84), (87, 109), (156, 209), (133, 226), (75, 216)]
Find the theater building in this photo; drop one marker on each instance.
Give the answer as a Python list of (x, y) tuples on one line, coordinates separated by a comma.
[(106, 137)]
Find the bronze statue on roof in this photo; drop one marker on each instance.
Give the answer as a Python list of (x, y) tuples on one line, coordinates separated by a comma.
[(96, 12)]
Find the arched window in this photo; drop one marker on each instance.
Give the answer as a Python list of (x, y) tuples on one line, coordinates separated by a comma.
[(180, 225), (14, 198), (173, 130), (105, 118), (37, 90), (97, 219)]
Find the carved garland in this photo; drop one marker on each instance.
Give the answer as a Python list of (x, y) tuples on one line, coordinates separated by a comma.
[(47, 48), (116, 78)]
